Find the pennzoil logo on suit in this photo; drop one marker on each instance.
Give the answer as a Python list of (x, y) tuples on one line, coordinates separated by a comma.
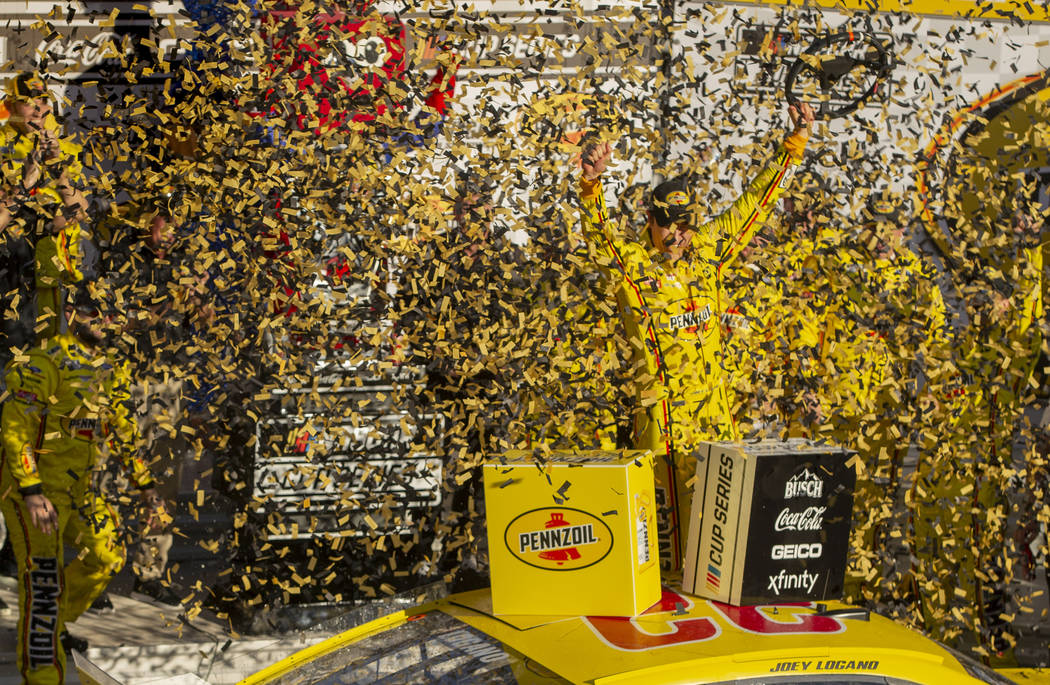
[(86, 428), (558, 539)]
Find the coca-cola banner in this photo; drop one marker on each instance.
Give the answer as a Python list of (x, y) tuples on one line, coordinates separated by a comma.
[(88, 49)]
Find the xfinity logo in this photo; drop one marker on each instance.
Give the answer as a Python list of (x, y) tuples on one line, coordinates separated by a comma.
[(804, 484), (812, 518), (799, 551), (804, 580)]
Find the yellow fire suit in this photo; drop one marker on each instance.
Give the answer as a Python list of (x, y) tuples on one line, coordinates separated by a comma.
[(884, 314), (59, 254), (753, 341), (671, 313), (772, 335), (961, 512), (64, 404)]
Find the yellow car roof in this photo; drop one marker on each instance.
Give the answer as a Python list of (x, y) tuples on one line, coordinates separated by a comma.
[(688, 639), (681, 639)]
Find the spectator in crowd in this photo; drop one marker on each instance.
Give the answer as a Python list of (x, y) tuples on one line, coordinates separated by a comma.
[(668, 297), (143, 266), (52, 433), (772, 320)]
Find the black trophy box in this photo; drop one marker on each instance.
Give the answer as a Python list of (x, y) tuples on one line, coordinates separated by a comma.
[(770, 522)]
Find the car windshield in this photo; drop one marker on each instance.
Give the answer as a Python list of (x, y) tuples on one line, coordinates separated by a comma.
[(430, 648)]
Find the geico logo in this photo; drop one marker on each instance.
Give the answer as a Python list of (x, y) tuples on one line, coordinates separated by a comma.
[(800, 551)]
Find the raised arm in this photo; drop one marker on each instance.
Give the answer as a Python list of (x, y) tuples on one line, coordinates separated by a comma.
[(735, 227), (598, 231), (592, 196)]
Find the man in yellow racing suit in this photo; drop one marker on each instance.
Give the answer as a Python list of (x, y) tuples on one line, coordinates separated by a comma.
[(884, 349), (66, 401), (668, 294)]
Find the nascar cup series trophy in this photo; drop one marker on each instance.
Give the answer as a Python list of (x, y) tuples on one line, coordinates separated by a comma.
[(770, 522)]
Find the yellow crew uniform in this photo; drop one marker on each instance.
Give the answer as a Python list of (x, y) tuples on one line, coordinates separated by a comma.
[(883, 316), (960, 512), (58, 252), (65, 404)]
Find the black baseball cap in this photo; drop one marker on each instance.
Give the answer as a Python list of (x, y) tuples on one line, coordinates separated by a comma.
[(27, 86), (672, 202)]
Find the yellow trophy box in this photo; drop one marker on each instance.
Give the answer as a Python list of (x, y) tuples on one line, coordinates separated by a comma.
[(572, 533)]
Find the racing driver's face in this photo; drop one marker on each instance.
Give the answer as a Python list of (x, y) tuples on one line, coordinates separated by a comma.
[(672, 240), (30, 114)]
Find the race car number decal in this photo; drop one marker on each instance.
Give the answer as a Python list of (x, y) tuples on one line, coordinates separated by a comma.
[(636, 634), (627, 634), (756, 620)]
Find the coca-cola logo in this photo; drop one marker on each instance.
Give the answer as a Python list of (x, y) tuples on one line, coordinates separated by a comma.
[(64, 51), (810, 518)]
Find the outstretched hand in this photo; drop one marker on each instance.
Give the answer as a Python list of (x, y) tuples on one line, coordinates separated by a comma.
[(802, 118), (595, 159)]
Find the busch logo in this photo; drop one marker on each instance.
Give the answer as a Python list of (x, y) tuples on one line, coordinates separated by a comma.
[(805, 484), (812, 518)]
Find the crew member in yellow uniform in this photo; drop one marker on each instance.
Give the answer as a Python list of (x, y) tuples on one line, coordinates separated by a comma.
[(961, 513), (773, 330), (884, 350), (66, 401), (754, 346), (668, 294), (41, 208)]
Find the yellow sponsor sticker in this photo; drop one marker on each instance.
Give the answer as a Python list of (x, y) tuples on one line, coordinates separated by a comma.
[(677, 197), (29, 460)]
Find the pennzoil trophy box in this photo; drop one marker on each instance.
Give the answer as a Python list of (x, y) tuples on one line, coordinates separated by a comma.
[(770, 522), (573, 534)]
